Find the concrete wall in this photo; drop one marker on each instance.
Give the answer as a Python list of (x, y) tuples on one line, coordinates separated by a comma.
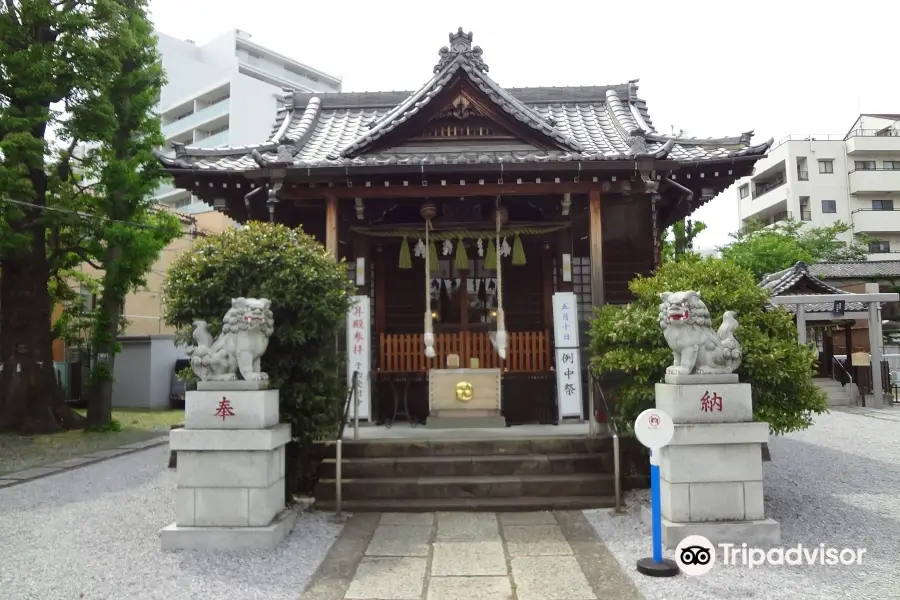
[(131, 388), (143, 371)]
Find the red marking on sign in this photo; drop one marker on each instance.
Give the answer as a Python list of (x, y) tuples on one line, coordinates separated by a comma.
[(654, 421), (711, 403), (224, 409)]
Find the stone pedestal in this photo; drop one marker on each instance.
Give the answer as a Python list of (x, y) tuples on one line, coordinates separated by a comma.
[(230, 474), (480, 407), (711, 472)]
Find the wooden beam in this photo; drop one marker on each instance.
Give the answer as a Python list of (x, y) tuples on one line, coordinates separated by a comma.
[(331, 226), (596, 239), (450, 188)]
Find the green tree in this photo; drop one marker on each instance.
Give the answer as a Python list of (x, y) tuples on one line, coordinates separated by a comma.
[(310, 296), (679, 239), (54, 56), (765, 249), (630, 354), (129, 233)]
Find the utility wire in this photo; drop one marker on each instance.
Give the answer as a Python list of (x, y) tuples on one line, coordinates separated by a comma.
[(78, 213)]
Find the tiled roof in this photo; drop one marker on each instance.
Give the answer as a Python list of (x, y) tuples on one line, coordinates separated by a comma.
[(784, 283), (581, 124), (184, 218), (856, 270)]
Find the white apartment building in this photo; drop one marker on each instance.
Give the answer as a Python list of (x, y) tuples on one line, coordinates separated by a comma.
[(854, 178), (225, 93)]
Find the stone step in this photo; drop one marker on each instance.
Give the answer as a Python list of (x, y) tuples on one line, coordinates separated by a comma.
[(521, 503), (500, 464), (492, 486), (458, 447)]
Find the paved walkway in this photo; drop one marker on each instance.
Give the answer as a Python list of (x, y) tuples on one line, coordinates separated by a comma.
[(470, 556), (76, 462)]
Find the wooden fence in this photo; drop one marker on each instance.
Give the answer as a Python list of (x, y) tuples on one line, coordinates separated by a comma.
[(403, 353)]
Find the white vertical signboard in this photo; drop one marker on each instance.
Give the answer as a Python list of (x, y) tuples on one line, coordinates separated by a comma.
[(359, 344), (568, 382), (565, 320), (568, 363)]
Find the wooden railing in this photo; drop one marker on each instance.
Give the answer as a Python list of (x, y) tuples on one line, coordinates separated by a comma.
[(405, 352)]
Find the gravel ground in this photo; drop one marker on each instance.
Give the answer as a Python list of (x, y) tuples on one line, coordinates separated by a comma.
[(837, 483), (92, 533)]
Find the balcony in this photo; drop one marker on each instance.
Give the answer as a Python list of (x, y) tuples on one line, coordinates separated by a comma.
[(802, 175), (764, 188), (873, 140), (875, 181), (201, 117), (866, 220), (213, 141), (768, 197)]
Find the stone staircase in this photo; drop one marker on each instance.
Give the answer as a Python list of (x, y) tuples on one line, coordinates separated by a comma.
[(838, 395), (543, 473)]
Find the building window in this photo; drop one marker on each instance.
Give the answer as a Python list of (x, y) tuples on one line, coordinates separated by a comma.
[(864, 165), (744, 191), (829, 206), (802, 169), (826, 166), (882, 205), (892, 165), (879, 247), (805, 212)]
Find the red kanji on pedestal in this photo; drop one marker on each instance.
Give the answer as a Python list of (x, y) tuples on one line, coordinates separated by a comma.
[(711, 403), (224, 408)]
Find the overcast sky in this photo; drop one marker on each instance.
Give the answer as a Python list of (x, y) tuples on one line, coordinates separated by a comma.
[(712, 68)]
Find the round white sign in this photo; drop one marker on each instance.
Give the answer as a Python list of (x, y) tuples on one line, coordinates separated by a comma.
[(654, 428)]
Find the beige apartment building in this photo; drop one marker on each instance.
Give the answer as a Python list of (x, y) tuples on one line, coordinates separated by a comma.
[(144, 307)]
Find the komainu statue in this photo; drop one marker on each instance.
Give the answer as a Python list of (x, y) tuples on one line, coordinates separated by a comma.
[(696, 349), (246, 329)]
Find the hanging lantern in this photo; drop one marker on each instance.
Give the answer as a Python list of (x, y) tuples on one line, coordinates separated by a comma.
[(428, 211)]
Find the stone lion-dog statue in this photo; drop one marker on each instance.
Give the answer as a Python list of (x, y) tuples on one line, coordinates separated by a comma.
[(246, 329), (696, 349)]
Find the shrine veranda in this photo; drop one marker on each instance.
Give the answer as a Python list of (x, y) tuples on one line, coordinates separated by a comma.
[(528, 206)]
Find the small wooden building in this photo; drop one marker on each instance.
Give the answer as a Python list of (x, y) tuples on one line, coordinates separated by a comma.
[(565, 189)]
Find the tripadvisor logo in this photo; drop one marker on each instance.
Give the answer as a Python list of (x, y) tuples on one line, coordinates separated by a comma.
[(696, 555)]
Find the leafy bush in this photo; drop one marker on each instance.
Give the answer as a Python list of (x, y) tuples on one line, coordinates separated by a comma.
[(630, 354), (310, 296)]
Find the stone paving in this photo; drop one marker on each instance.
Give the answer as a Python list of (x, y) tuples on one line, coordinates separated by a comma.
[(470, 556)]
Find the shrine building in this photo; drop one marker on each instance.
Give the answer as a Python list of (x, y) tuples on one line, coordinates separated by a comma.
[(480, 223)]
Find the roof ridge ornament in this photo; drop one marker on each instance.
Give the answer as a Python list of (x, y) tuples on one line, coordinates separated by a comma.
[(461, 45), (637, 142)]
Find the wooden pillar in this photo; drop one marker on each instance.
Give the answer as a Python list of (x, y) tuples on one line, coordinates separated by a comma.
[(547, 276), (379, 290), (596, 239), (331, 225), (848, 341), (801, 323)]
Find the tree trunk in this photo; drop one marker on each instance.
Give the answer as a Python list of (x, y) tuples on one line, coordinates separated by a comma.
[(30, 398), (99, 411)]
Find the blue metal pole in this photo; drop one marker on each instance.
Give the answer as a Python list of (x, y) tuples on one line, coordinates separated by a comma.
[(655, 512)]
